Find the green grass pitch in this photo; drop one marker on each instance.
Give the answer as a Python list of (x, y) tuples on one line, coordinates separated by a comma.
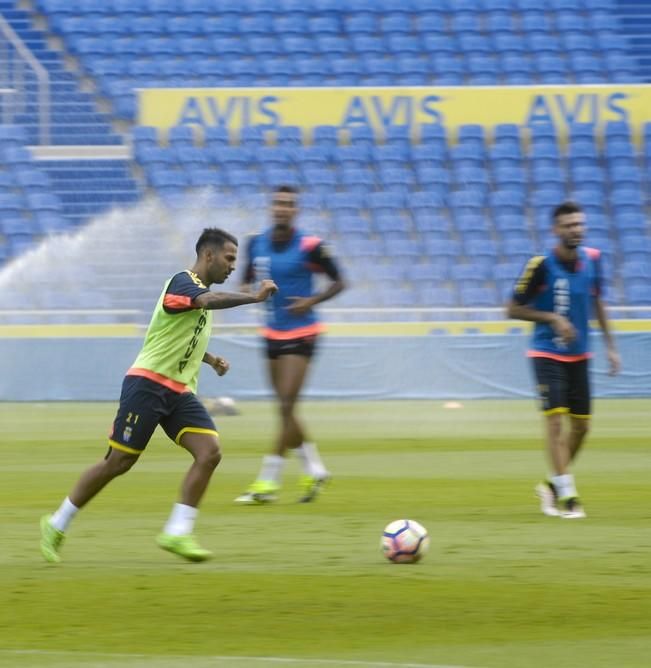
[(304, 586)]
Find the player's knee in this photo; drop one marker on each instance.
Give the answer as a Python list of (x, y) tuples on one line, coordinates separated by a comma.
[(286, 406), (581, 427), (119, 463), (210, 456)]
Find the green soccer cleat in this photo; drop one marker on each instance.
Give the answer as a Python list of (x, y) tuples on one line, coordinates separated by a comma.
[(184, 546), (261, 491), (311, 487), (51, 540)]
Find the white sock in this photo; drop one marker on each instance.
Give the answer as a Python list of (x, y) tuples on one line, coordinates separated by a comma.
[(564, 485), (308, 453), (62, 517), (271, 469), (181, 521)]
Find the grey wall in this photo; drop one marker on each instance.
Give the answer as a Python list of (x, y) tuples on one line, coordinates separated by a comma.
[(427, 367)]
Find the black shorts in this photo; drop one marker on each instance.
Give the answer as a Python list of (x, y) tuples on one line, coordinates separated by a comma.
[(564, 387), (145, 404), (305, 346)]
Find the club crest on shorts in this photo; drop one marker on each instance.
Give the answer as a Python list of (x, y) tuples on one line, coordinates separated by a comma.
[(126, 434)]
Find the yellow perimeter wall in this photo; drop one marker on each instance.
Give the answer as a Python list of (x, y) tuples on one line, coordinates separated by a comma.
[(235, 108)]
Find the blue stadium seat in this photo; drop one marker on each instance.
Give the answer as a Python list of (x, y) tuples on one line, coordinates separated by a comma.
[(638, 295), (432, 178), (507, 271), (361, 135), (497, 21), (359, 179), (314, 156), (544, 176), (402, 43), (432, 135), (359, 248), (471, 225), (289, 135), (395, 178), (517, 250), (442, 248), (481, 249), (394, 155), (475, 44), (448, 64), (470, 275), (537, 28), (360, 23), (471, 178), (636, 248), (508, 44), (11, 204), (506, 134), (509, 178), (243, 181), (468, 156), (511, 225), (632, 270), (427, 274), (465, 201), (399, 297), (391, 226), (430, 224), (426, 200), (396, 23), (505, 155), (239, 156), (385, 201), (631, 223), (191, 156), (44, 202), (319, 179), (398, 135), (353, 226), (590, 176), (368, 44), (580, 42), (346, 203), (325, 135), (333, 45), (275, 156), (180, 135), (201, 178), (478, 296), (626, 200), (216, 136), (439, 297), (508, 201), (352, 156), (434, 42)]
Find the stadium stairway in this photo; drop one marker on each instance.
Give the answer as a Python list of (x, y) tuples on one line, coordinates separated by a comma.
[(634, 18), (75, 117)]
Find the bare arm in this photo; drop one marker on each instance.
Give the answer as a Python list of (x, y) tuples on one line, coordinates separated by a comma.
[(560, 324), (219, 364), (222, 300), (613, 356), (300, 305)]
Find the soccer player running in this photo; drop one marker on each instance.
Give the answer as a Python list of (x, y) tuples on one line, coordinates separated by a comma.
[(557, 292), (289, 257), (159, 389)]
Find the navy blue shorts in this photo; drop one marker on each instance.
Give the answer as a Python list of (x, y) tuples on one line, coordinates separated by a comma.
[(563, 387), (145, 404), (305, 346)]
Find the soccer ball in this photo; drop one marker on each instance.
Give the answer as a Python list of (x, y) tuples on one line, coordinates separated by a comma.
[(220, 406), (404, 541)]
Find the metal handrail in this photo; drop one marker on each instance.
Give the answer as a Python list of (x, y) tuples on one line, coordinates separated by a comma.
[(42, 75)]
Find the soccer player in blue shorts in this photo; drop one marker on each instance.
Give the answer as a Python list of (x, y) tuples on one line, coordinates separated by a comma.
[(159, 389), (291, 258), (558, 292)]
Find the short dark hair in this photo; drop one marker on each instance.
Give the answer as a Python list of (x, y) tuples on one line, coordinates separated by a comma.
[(213, 236), (565, 208), (286, 189)]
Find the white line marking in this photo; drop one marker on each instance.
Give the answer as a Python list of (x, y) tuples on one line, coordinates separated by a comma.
[(231, 659)]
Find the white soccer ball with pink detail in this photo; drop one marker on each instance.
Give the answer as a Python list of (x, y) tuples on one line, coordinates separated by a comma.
[(404, 541)]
